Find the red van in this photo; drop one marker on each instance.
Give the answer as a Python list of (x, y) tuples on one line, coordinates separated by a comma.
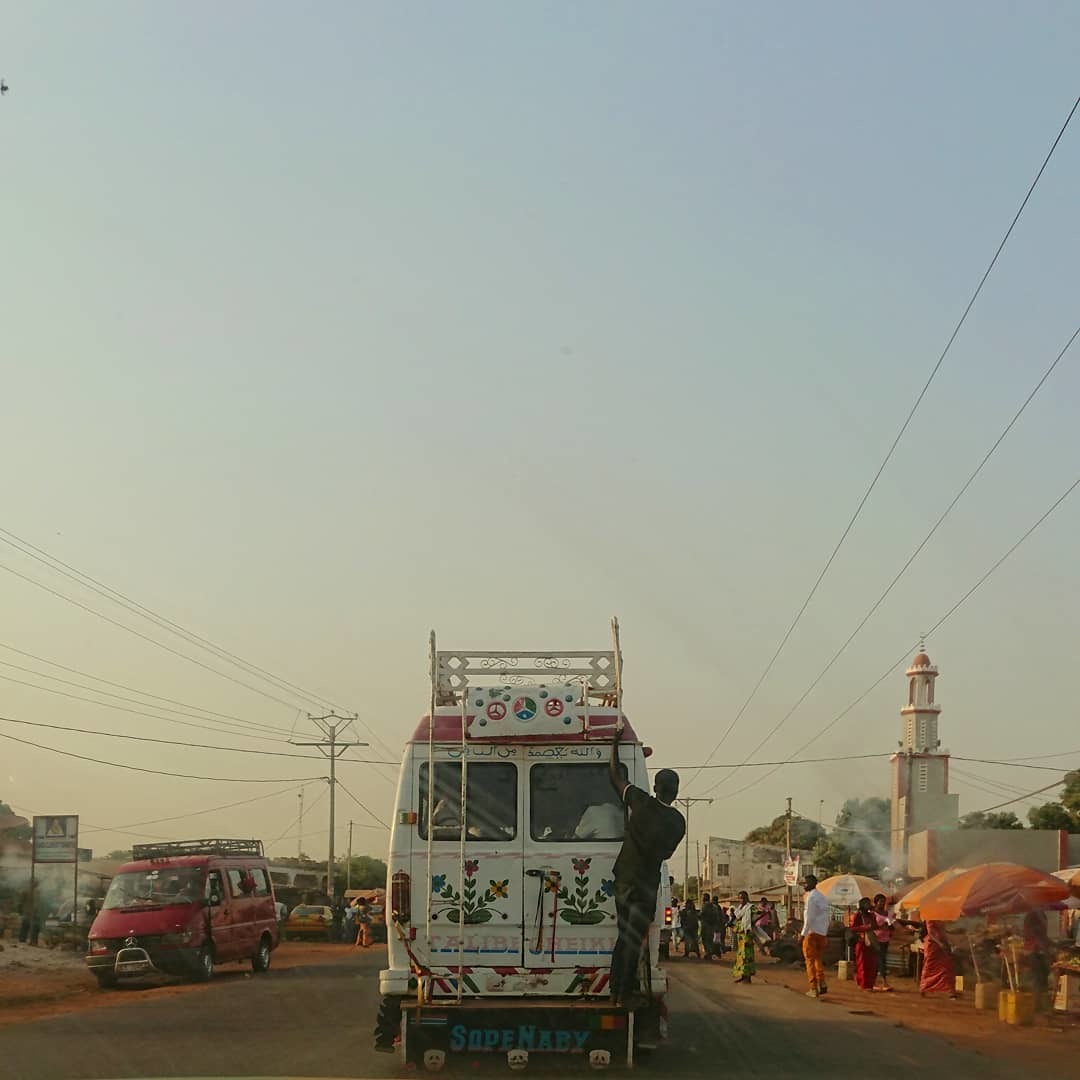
[(182, 907)]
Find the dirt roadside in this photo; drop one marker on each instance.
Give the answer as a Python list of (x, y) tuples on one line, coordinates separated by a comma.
[(1053, 1043), (36, 983)]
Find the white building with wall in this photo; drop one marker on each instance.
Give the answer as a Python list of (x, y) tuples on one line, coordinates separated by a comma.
[(731, 866)]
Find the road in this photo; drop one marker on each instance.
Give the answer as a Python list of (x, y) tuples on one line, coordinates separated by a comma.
[(315, 1020)]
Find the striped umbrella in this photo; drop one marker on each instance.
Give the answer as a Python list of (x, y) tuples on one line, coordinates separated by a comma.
[(846, 890)]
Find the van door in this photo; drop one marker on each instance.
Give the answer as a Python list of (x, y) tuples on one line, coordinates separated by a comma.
[(243, 911), (575, 824), (220, 913), (476, 908)]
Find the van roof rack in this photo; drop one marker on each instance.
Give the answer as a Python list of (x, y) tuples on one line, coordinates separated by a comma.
[(599, 671), (168, 848)]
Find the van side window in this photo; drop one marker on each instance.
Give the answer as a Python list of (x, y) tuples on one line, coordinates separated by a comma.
[(491, 801), (215, 887), (573, 803), (238, 879), (262, 885)]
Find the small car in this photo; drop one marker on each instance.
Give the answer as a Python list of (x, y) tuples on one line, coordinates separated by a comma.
[(309, 920)]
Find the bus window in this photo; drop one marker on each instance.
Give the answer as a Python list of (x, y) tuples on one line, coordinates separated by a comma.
[(574, 802), (491, 801)]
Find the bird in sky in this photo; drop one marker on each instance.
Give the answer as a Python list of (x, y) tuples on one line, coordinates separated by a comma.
[(3, 87)]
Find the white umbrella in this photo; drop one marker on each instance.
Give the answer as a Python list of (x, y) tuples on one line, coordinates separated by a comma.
[(846, 890)]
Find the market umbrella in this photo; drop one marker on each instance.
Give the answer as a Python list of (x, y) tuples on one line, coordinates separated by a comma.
[(999, 888), (846, 890), (911, 899), (1071, 877)]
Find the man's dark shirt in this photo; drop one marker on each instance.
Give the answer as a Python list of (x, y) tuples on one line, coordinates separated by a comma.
[(653, 833)]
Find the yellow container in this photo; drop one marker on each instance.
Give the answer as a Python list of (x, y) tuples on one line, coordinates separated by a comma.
[(843, 971), (1016, 1007)]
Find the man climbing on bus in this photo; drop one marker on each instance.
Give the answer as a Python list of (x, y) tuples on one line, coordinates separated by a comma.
[(654, 830)]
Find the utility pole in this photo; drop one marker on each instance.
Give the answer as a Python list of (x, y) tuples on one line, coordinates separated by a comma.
[(332, 749), (348, 865), (685, 802), (300, 828), (790, 898)]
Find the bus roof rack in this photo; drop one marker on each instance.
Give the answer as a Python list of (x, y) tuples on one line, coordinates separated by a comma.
[(168, 848), (599, 671)]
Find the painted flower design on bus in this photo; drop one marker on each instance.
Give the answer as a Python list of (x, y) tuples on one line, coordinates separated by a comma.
[(469, 906), (583, 906), (497, 890), (552, 882)]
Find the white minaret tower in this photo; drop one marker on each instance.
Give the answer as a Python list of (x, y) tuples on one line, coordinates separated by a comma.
[(920, 770), (920, 715)]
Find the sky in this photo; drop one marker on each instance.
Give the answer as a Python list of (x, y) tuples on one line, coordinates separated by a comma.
[(322, 325)]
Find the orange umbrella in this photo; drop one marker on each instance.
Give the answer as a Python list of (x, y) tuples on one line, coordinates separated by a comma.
[(917, 893), (1071, 877), (1000, 888)]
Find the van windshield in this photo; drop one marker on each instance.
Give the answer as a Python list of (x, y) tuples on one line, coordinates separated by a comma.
[(149, 888)]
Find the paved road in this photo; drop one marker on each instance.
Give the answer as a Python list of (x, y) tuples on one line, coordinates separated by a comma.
[(316, 1021)]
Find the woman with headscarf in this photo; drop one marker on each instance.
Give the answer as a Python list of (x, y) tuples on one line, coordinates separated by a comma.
[(863, 926), (939, 970), (745, 966)]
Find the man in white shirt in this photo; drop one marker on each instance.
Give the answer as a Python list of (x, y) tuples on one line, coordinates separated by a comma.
[(602, 821), (814, 934)]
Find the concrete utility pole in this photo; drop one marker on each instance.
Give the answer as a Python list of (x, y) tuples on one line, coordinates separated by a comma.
[(348, 864), (332, 749), (300, 827), (790, 898), (685, 802)]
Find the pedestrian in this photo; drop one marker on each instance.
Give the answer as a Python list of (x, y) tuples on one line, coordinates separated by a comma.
[(864, 926), (348, 924), (653, 831), (710, 915), (676, 922), (1037, 948), (691, 924), (764, 920), (363, 921), (815, 931), (745, 966), (883, 933), (939, 969), (721, 929)]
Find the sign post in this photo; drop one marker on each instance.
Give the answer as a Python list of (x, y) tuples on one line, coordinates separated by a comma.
[(56, 842)]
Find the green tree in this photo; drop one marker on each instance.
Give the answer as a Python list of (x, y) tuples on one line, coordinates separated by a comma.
[(18, 832), (804, 834), (833, 856), (367, 873), (1053, 815), (978, 819), (123, 854)]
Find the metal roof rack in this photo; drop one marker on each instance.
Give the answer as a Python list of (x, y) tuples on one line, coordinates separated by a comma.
[(169, 848)]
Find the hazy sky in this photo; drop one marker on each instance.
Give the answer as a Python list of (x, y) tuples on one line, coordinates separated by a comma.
[(325, 324)]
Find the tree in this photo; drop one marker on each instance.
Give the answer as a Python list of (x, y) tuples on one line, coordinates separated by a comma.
[(833, 856), (367, 873), (1063, 814), (1053, 815), (123, 854), (979, 819), (804, 834), (20, 828)]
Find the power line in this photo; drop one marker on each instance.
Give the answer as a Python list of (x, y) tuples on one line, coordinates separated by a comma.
[(123, 708), (181, 817), (144, 637), (160, 772), (1019, 763), (117, 597), (907, 652), (170, 742), (362, 806), (911, 558), (801, 761), (123, 686), (896, 441), (1020, 798), (296, 824)]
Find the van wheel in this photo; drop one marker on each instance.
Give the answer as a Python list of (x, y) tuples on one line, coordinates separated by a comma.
[(106, 980), (204, 969), (260, 962)]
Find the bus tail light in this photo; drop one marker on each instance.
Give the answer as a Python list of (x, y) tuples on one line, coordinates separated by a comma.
[(667, 916), (401, 897)]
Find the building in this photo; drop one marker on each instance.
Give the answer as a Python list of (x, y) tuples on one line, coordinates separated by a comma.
[(920, 768), (731, 866), (935, 850)]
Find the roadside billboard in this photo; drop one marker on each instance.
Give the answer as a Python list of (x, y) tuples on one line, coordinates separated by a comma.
[(56, 838)]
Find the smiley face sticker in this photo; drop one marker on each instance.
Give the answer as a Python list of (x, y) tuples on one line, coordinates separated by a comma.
[(553, 707)]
